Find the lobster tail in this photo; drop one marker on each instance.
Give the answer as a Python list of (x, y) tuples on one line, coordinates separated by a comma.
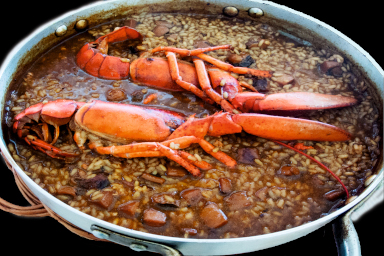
[(93, 58)]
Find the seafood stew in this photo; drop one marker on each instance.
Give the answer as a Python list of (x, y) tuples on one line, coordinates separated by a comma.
[(269, 185)]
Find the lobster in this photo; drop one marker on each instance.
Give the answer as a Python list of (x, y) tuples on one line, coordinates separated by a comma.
[(166, 132), (211, 82)]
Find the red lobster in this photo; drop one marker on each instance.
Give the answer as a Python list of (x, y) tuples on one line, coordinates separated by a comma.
[(214, 84), (165, 134)]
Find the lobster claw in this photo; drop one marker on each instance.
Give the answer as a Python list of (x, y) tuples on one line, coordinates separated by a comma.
[(293, 101), (288, 128)]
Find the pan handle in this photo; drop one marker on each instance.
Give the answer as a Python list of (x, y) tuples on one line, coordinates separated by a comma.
[(346, 238), (134, 243)]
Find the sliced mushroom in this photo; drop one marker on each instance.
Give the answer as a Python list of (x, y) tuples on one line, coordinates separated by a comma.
[(237, 200), (328, 65), (129, 208), (166, 199), (100, 181), (213, 216), (178, 171), (152, 178), (247, 155), (225, 185), (105, 200), (234, 58), (283, 79), (67, 190), (116, 95), (154, 218), (193, 196), (160, 30), (164, 23)]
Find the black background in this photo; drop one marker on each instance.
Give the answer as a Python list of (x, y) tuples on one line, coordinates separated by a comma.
[(362, 23)]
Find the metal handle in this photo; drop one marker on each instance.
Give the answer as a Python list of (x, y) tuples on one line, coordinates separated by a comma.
[(134, 243), (346, 238)]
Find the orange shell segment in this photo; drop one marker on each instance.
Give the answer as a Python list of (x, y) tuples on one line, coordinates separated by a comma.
[(222, 124), (59, 108), (122, 122), (155, 72), (114, 68), (94, 64), (193, 127), (84, 55)]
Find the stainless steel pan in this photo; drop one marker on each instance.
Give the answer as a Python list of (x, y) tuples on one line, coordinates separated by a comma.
[(190, 247)]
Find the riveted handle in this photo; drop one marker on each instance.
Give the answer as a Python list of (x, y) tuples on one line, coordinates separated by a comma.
[(133, 243)]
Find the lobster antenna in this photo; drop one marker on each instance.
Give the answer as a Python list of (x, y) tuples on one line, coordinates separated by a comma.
[(313, 159)]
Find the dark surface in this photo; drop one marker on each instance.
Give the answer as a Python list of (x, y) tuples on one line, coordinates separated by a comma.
[(23, 235)]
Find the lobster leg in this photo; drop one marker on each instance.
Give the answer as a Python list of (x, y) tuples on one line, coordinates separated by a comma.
[(171, 154), (177, 143), (192, 160), (47, 148), (56, 134), (186, 141), (206, 86), (146, 149), (186, 156), (238, 70), (140, 154), (185, 52), (154, 150), (174, 69), (248, 86), (45, 132)]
